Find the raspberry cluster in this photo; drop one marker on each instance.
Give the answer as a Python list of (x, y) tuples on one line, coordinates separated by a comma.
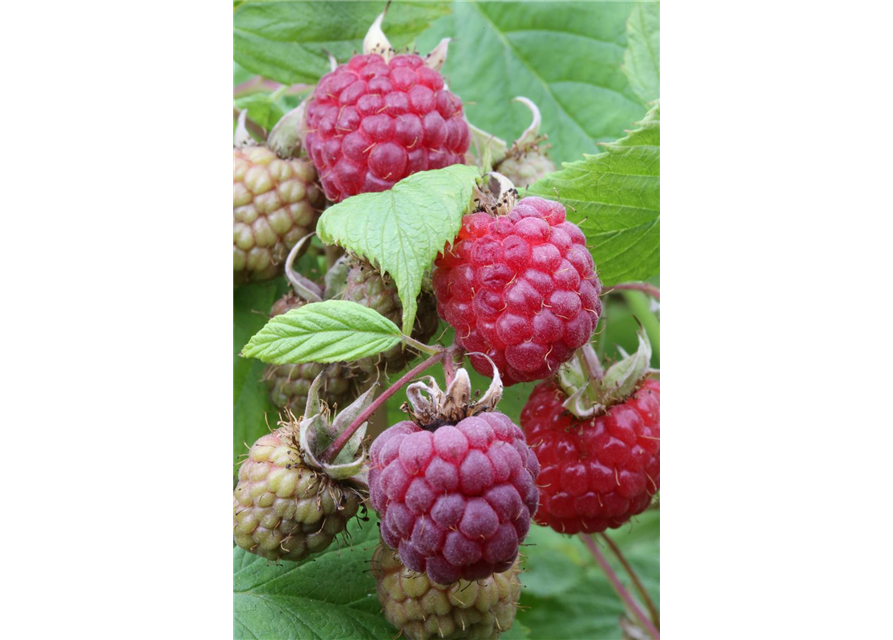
[(596, 473), (423, 610), (520, 288), (276, 202), (372, 123), (455, 503)]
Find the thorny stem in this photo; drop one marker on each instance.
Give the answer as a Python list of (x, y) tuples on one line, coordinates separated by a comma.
[(256, 130), (618, 586), (449, 363), (335, 448), (655, 615), (644, 287), (590, 360)]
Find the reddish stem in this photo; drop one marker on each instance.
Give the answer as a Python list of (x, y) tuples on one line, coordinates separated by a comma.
[(335, 448), (655, 615), (644, 287), (618, 586), (449, 363), (256, 130)]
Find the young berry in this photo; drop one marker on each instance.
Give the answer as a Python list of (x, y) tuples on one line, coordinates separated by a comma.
[(423, 610), (597, 471), (455, 498), (520, 288), (372, 122), (368, 287), (287, 503), (276, 202)]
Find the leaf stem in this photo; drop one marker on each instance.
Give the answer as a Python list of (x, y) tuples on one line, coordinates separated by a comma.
[(644, 287), (335, 448), (618, 586), (421, 346), (655, 615), (256, 130)]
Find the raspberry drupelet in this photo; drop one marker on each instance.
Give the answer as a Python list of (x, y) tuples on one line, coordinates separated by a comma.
[(520, 288), (372, 123)]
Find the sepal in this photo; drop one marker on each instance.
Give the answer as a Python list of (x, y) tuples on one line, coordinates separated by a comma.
[(431, 407), (317, 430)]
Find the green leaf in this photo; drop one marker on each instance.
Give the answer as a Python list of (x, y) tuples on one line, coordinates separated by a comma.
[(261, 109), (251, 306), (332, 596), (565, 56), (614, 197), (330, 331), (288, 41), (566, 596), (641, 62), (402, 230)]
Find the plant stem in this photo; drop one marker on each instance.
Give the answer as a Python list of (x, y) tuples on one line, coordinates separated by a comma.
[(256, 130), (335, 448), (644, 287), (449, 363), (618, 586), (655, 615)]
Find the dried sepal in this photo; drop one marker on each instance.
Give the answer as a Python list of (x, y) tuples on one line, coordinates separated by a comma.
[(242, 138), (489, 150), (376, 41), (430, 407), (303, 286), (531, 135), (438, 55), (497, 195), (336, 277)]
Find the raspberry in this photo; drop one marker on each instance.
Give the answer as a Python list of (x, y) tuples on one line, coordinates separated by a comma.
[(372, 123), (282, 508), (596, 473), (276, 202), (520, 288), (289, 384), (455, 502), (368, 287), (422, 610)]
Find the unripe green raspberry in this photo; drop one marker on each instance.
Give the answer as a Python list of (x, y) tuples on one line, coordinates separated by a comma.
[(423, 610), (276, 202), (289, 384), (283, 509), (525, 169), (368, 287)]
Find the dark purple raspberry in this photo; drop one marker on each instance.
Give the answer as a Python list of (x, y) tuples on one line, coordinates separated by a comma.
[(520, 288), (457, 502), (371, 124)]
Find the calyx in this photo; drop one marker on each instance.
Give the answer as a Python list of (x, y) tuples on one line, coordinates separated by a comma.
[(317, 429), (377, 42), (430, 407), (497, 195), (590, 394)]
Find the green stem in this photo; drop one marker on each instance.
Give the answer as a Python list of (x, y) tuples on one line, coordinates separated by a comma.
[(655, 615), (421, 346)]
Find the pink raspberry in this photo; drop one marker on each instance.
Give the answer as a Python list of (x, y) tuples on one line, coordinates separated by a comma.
[(521, 288), (371, 124), (455, 502)]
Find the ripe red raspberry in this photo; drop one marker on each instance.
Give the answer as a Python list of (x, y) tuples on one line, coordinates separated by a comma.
[(455, 502), (372, 123), (520, 288), (596, 473)]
